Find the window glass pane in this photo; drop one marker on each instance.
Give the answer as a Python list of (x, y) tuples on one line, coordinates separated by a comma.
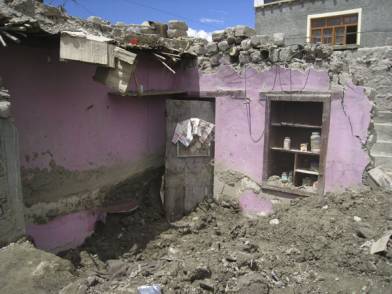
[(340, 36), (333, 21), (351, 35), (316, 36), (318, 22), (327, 36), (351, 19)]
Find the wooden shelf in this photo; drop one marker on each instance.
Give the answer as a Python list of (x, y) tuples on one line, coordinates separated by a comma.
[(149, 93), (294, 125), (306, 171), (294, 191), (294, 151)]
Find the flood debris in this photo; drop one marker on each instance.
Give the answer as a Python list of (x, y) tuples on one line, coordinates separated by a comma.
[(217, 250), (381, 244)]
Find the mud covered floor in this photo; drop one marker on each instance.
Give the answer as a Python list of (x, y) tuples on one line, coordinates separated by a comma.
[(317, 247)]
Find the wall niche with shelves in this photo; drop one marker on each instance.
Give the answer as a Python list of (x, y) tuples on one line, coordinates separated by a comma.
[(292, 169)]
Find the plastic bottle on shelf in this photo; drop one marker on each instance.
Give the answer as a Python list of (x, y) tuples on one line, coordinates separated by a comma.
[(287, 143), (315, 141)]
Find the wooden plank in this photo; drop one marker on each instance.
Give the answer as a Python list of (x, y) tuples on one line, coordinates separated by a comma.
[(305, 171), (82, 49), (294, 151), (295, 125), (266, 156), (294, 191), (149, 93), (324, 143)]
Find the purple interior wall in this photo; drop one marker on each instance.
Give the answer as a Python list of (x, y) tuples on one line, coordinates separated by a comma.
[(238, 149), (62, 114), (67, 120)]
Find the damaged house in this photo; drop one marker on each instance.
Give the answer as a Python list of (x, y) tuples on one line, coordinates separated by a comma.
[(93, 116)]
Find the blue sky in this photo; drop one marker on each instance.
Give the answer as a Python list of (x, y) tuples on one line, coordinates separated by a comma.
[(207, 15)]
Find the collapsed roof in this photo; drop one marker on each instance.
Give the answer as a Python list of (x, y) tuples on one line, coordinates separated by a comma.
[(19, 18)]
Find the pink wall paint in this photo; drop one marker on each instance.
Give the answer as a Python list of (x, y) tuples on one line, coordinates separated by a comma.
[(234, 147), (60, 110), (62, 114), (346, 157), (65, 232)]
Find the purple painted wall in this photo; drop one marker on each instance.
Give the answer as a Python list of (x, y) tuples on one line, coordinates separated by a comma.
[(63, 115), (65, 232), (236, 149), (60, 110)]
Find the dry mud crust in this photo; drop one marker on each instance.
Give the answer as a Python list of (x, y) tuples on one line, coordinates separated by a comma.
[(317, 247)]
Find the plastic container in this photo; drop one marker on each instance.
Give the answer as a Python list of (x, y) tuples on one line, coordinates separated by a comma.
[(315, 141), (287, 143), (303, 147), (284, 177)]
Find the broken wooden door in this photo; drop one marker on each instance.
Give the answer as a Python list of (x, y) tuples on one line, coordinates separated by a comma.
[(12, 225), (188, 171)]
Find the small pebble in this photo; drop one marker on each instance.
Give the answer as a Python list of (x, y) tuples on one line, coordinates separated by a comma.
[(357, 219), (274, 221)]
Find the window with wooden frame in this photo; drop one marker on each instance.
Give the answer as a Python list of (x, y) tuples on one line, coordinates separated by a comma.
[(335, 30)]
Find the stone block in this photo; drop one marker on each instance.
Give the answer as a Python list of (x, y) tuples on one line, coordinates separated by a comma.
[(256, 57), (211, 48), (173, 33), (223, 46), (198, 49), (177, 25), (278, 39), (381, 178), (244, 32), (246, 44), (259, 40), (218, 36)]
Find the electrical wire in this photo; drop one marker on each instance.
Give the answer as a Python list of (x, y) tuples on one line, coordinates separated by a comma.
[(249, 113), (162, 11)]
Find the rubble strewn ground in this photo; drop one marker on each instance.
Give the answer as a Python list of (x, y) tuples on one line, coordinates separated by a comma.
[(318, 245)]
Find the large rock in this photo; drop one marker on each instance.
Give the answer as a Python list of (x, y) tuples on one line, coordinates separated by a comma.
[(256, 56), (223, 46), (278, 39), (244, 32), (246, 44), (218, 36), (211, 48), (173, 33), (177, 25), (25, 270), (198, 49), (260, 40)]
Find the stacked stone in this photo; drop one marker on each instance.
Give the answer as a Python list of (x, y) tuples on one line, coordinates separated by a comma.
[(241, 45), (5, 104), (177, 29)]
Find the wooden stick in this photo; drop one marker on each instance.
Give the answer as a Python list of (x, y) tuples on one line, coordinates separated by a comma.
[(13, 38), (159, 56), (168, 67), (171, 54), (2, 41)]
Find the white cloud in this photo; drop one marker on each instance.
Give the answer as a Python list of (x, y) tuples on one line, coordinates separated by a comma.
[(211, 20), (200, 34)]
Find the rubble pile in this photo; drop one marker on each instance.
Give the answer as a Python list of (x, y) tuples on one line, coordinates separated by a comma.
[(312, 245), (241, 46), (18, 17)]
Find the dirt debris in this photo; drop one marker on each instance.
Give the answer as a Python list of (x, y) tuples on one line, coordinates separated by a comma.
[(317, 247)]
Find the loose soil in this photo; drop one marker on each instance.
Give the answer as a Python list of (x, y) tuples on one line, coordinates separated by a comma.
[(317, 247)]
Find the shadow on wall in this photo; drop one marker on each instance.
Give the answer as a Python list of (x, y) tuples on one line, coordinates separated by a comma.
[(123, 232)]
